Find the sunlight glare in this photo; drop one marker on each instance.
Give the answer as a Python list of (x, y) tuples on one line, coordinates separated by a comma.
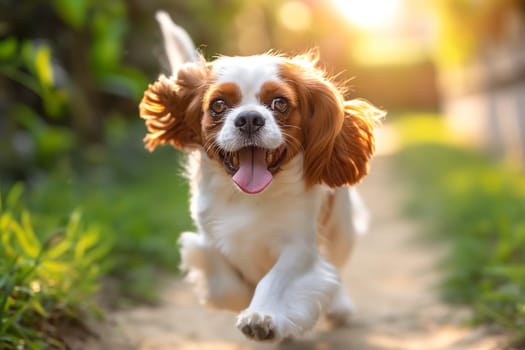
[(369, 14), (295, 16)]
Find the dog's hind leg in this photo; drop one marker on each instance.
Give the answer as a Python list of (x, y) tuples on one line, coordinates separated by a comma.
[(217, 283), (342, 217)]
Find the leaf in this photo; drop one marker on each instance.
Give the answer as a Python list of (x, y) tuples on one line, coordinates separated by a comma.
[(8, 283), (57, 250), (27, 54), (54, 140), (13, 197), (37, 306), (6, 234), (44, 69), (56, 267), (106, 46), (72, 11), (73, 224), (8, 48), (28, 241), (87, 240), (28, 119), (28, 228)]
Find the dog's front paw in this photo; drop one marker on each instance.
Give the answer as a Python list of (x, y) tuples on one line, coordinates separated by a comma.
[(256, 326)]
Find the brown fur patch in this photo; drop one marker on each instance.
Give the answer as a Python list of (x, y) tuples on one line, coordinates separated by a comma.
[(231, 94), (273, 89), (337, 135), (171, 108), (289, 122)]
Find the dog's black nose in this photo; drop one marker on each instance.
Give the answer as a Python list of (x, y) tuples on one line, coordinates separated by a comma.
[(249, 122)]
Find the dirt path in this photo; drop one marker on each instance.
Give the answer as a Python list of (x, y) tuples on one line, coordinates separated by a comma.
[(392, 278)]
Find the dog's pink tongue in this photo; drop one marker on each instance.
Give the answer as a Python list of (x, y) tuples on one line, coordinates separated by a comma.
[(253, 175)]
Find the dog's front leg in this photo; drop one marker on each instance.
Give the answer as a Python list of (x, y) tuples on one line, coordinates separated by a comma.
[(217, 283), (288, 300)]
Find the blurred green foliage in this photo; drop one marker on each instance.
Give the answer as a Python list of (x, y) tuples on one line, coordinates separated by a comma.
[(135, 204), (48, 274), (478, 207), (72, 73), (137, 199), (81, 63), (62, 72)]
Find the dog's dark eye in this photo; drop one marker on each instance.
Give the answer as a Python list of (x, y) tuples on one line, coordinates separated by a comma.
[(218, 107), (279, 104)]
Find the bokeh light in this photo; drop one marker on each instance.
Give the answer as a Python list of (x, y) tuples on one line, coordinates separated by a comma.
[(295, 15), (370, 14)]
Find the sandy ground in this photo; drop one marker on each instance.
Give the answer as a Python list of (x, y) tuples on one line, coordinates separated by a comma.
[(392, 278)]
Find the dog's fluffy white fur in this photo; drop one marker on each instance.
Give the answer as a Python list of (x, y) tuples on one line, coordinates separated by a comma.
[(272, 256), (259, 254)]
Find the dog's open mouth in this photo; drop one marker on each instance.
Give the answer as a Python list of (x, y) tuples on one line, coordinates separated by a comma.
[(252, 168)]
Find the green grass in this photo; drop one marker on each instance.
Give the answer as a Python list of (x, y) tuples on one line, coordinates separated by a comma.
[(46, 278), (478, 205), (114, 211), (137, 198)]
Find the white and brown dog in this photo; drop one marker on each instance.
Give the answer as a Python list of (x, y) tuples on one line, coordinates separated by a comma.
[(272, 147)]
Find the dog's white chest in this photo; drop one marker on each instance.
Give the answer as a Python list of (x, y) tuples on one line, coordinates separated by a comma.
[(251, 230)]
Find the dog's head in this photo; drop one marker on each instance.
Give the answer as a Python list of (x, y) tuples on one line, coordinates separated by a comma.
[(254, 114)]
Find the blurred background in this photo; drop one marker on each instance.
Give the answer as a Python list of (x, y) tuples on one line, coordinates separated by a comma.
[(76, 183), (85, 63)]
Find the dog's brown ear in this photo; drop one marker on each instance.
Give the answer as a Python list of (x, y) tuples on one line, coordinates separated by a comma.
[(337, 134), (354, 145), (172, 108)]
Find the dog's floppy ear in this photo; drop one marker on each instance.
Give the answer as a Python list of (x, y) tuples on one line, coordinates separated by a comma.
[(338, 134), (172, 108), (339, 138), (352, 149)]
